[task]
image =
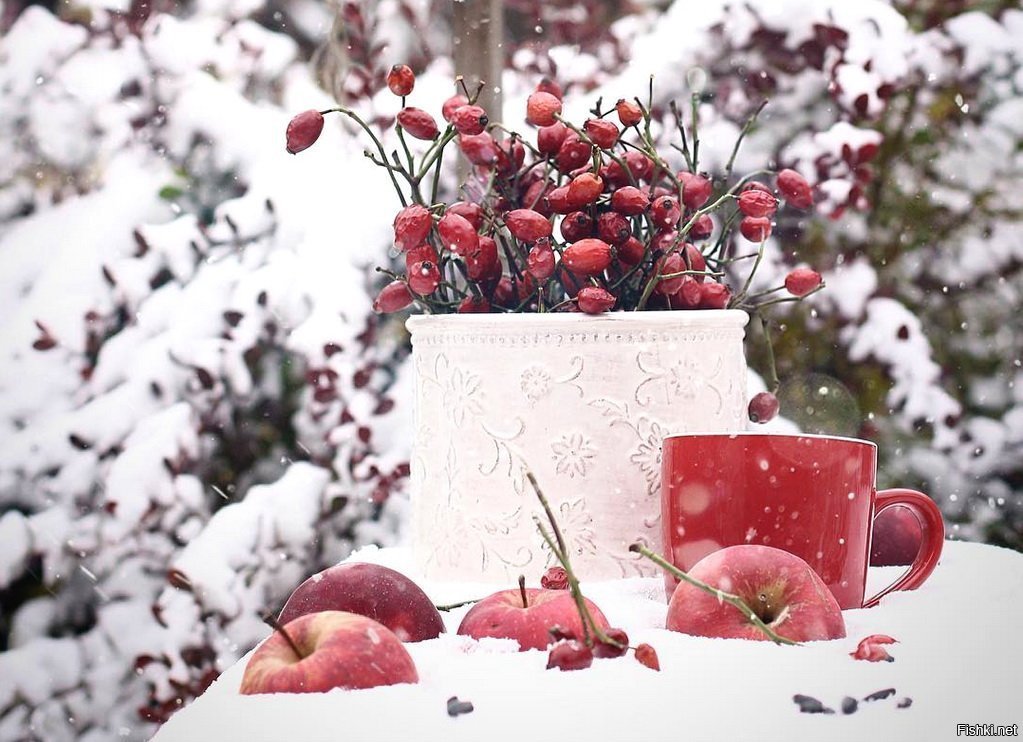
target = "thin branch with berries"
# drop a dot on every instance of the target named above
(556, 543)
(582, 218)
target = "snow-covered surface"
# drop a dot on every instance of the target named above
(957, 659)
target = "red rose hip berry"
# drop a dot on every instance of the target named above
(629, 201)
(613, 228)
(696, 189)
(795, 189)
(647, 656)
(479, 149)
(569, 655)
(584, 189)
(547, 85)
(469, 120)
(418, 123)
(641, 166)
(424, 277)
(631, 252)
(615, 648)
(664, 241)
(557, 200)
(629, 113)
(576, 226)
(714, 295)
(665, 212)
(555, 578)
(572, 154)
(540, 263)
(483, 264)
(542, 108)
(527, 225)
(702, 228)
(670, 265)
(587, 257)
(757, 203)
(536, 197)
(595, 300)
(763, 407)
(802, 281)
(871, 649)
(755, 228)
(689, 294)
(474, 305)
(303, 131)
(419, 253)
(694, 259)
(473, 213)
(601, 132)
(412, 227)
(550, 138)
(457, 234)
(452, 104)
(393, 297)
(401, 79)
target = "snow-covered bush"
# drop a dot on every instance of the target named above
(908, 121)
(197, 408)
(196, 404)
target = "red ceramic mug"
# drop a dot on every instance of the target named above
(812, 495)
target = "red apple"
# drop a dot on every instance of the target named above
(331, 649)
(779, 587)
(896, 539)
(369, 590)
(502, 615)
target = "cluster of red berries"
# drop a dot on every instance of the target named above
(570, 653)
(582, 218)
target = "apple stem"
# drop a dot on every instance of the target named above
(522, 591)
(733, 600)
(277, 626)
(561, 554)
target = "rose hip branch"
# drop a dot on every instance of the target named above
(576, 218)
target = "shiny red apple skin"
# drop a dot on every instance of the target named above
(797, 601)
(380, 593)
(896, 538)
(341, 650)
(502, 615)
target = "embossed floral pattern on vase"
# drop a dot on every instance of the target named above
(584, 403)
(647, 455)
(535, 383)
(576, 525)
(573, 454)
(461, 395)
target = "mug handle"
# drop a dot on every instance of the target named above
(932, 537)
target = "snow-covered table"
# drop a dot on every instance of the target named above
(958, 658)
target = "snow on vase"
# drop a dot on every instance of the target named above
(584, 402)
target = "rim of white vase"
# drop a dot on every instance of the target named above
(676, 318)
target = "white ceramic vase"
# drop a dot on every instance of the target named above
(584, 402)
